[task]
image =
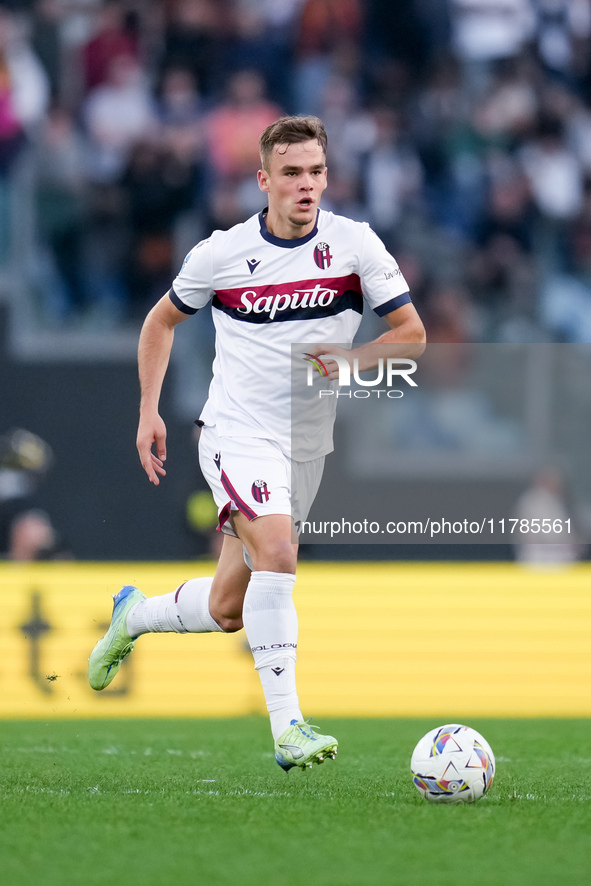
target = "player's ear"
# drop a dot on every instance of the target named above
(263, 180)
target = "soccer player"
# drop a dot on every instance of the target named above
(294, 273)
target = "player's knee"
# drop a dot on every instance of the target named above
(229, 624)
(275, 556)
(227, 615)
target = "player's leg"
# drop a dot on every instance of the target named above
(229, 586)
(199, 605)
(271, 625)
(269, 614)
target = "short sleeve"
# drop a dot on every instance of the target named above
(192, 288)
(384, 288)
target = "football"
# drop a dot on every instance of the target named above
(452, 764)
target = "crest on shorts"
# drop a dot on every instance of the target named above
(260, 491)
(322, 256)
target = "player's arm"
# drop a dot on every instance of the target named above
(154, 349)
(405, 338)
(386, 291)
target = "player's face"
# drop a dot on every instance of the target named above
(294, 182)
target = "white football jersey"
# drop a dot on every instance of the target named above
(267, 294)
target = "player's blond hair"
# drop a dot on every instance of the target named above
(290, 131)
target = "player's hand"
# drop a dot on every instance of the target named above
(329, 368)
(152, 430)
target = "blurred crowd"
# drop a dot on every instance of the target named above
(460, 129)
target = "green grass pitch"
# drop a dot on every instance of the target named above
(159, 802)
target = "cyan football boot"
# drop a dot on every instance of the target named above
(106, 657)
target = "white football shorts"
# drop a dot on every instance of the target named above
(252, 475)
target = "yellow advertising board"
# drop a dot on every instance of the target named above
(381, 639)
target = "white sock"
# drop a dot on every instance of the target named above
(271, 625)
(185, 610)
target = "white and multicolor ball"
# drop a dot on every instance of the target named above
(453, 764)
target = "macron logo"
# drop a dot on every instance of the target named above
(252, 264)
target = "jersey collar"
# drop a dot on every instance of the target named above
(279, 241)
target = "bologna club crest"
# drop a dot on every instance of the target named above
(260, 491)
(322, 256)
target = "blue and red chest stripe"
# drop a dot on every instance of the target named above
(300, 300)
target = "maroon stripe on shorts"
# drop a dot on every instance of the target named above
(224, 515)
(240, 503)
